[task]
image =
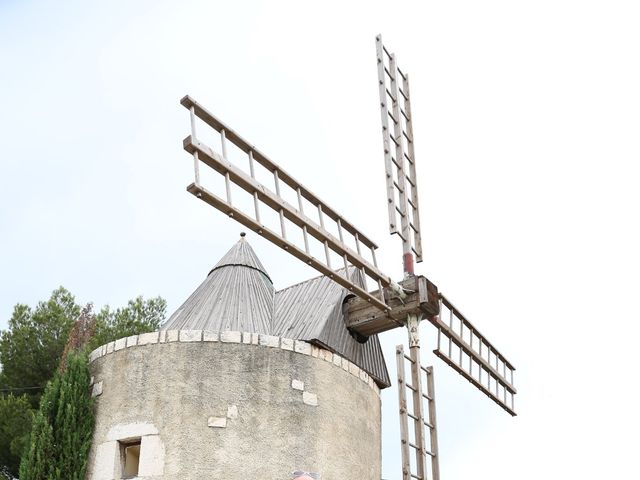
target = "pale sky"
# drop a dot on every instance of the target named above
(526, 119)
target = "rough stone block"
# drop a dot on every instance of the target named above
(132, 341)
(232, 411)
(120, 344)
(97, 389)
(345, 364)
(297, 384)
(255, 338)
(315, 351)
(337, 360)
(231, 337)
(354, 370)
(96, 354)
(286, 344)
(217, 422)
(163, 336)
(129, 430)
(151, 457)
(110, 347)
(107, 456)
(326, 355)
(310, 399)
(370, 382)
(190, 335)
(246, 337)
(269, 341)
(302, 347)
(148, 338)
(91, 380)
(172, 335)
(208, 336)
(363, 375)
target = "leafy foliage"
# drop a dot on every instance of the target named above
(15, 424)
(30, 349)
(63, 426)
(139, 316)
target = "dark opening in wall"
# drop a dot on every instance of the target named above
(130, 457)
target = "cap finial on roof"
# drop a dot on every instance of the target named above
(236, 295)
(241, 255)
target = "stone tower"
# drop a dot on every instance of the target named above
(242, 381)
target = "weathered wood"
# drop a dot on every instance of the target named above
(432, 424)
(278, 204)
(263, 160)
(422, 300)
(404, 421)
(276, 239)
(509, 409)
(418, 424)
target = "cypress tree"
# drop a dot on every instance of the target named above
(63, 427)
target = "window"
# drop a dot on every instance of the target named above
(130, 458)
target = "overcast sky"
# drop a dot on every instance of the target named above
(526, 119)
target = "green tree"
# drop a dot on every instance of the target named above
(30, 349)
(32, 346)
(139, 316)
(63, 426)
(15, 424)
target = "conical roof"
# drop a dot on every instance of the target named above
(241, 255)
(237, 295)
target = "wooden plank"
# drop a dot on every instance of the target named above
(269, 198)
(384, 115)
(416, 382)
(276, 239)
(433, 425)
(404, 421)
(367, 320)
(263, 160)
(413, 176)
(400, 161)
(475, 382)
(461, 317)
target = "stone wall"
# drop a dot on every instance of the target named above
(232, 406)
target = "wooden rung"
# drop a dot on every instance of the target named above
(413, 475)
(413, 416)
(393, 99)
(400, 212)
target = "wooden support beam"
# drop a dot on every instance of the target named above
(422, 300)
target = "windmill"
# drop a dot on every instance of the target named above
(310, 230)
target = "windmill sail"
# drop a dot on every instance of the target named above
(420, 457)
(399, 155)
(468, 352)
(338, 256)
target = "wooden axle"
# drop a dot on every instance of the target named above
(365, 319)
